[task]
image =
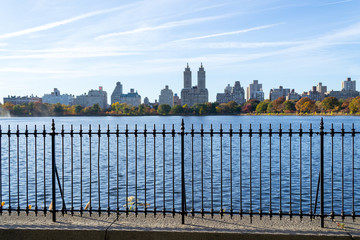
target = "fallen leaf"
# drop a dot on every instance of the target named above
(87, 206)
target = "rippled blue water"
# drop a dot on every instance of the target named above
(224, 172)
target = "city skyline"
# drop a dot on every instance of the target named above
(254, 91)
(145, 45)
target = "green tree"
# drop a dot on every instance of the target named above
(19, 110)
(164, 109)
(96, 108)
(270, 108)
(177, 109)
(58, 109)
(289, 106)
(78, 109)
(329, 104)
(262, 106)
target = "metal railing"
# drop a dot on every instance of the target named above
(199, 171)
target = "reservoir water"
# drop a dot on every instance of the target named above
(221, 172)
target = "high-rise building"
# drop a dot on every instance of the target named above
(254, 91)
(321, 89)
(275, 93)
(197, 94)
(166, 96)
(176, 100)
(187, 77)
(93, 97)
(235, 93)
(348, 85)
(348, 90)
(55, 97)
(131, 98)
(116, 94)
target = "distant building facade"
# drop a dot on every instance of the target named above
(348, 85)
(55, 97)
(235, 93)
(342, 94)
(293, 95)
(17, 100)
(146, 101)
(131, 98)
(198, 94)
(166, 96)
(275, 93)
(317, 93)
(348, 90)
(93, 97)
(176, 100)
(254, 91)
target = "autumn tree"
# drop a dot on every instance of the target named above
(354, 105)
(305, 105)
(262, 106)
(329, 104)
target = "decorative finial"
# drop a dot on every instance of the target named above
(187, 65)
(201, 65)
(322, 124)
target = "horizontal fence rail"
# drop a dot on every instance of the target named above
(257, 170)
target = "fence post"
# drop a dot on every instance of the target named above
(53, 170)
(322, 171)
(182, 172)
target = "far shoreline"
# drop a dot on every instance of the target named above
(197, 115)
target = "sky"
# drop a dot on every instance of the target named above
(80, 45)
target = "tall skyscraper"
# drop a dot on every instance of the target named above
(201, 77)
(348, 85)
(187, 77)
(254, 91)
(197, 94)
(166, 96)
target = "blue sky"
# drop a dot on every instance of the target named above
(79, 45)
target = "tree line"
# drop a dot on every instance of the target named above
(330, 105)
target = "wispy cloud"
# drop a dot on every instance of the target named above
(247, 45)
(337, 2)
(339, 37)
(63, 22)
(163, 26)
(35, 70)
(71, 53)
(3, 44)
(231, 33)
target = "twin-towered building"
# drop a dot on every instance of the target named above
(191, 95)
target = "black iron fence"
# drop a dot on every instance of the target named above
(273, 171)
